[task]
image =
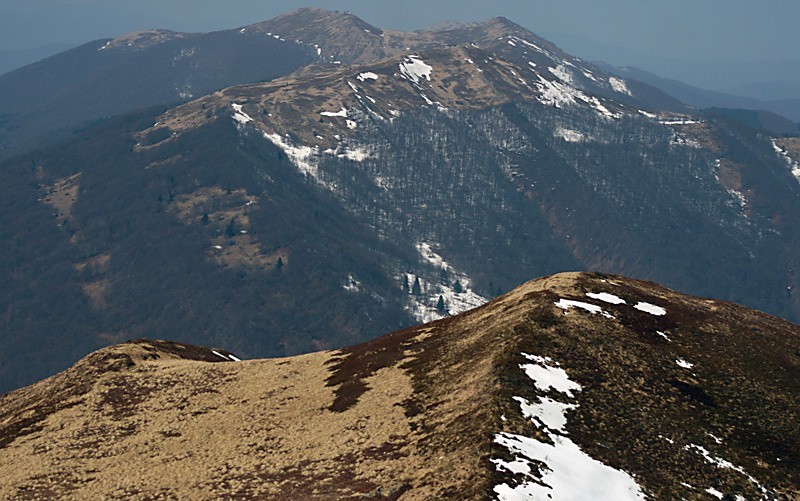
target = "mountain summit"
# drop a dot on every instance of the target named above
(573, 386)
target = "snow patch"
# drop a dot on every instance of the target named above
(354, 154)
(559, 469)
(367, 75)
(239, 115)
(619, 85)
(570, 136)
(559, 95)
(351, 284)
(550, 413)
(546, 375)
(684, 364)
(340, 113)
(301, 156)
(414, 68)
(562, 73)
(651, 309)
(569, 473)
(664, 336)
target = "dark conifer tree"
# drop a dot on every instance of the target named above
(416, 289)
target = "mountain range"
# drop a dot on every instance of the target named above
(573, 386)
(787, 110)
(329, 181)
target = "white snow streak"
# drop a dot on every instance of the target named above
(794, 166)
(650, 308)
(340, 113)
(723, 463)
(566, 304)
(226, 357)
(606, 297)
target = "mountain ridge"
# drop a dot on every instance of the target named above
(567, 364)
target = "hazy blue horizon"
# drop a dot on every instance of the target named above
(652, 34)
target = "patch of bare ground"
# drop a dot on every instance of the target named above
(225, 216)
(97, 291)
(61, 196)
(700, 133)
(729, 174)
(95, 264)
(791, 145)
(166, 161)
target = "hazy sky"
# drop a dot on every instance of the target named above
(684, 29)
(664, 36)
